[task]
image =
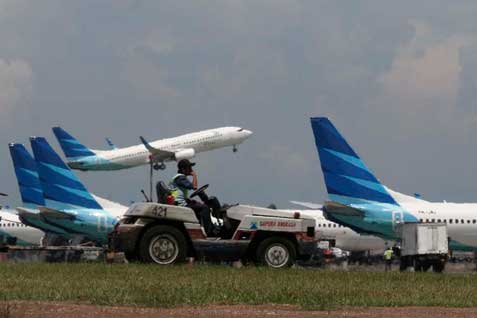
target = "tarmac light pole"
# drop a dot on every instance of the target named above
(151, 175)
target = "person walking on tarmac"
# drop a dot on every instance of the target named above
(180, 187)
(388, 257)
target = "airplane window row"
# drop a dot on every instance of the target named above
(450, 221)
(329, 225)
(197, 140)
(12, 225)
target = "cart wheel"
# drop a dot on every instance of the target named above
(418, 267)
(164, 245)
(276, 252)
(438, 267)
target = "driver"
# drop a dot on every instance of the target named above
(180, 186)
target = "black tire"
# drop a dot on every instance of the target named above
(164, 245)
(276, 252)
(438, 267)
(418, 265)
(403, 264)
(426, 266)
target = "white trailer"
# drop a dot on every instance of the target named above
(424, 245)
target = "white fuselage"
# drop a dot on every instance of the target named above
(11, 226)
(344, 237)
(183, 147)
(461, 218)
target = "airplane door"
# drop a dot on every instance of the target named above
(102, 224)
(398, 218)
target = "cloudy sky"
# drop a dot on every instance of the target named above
(399, 79)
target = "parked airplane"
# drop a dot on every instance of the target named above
(68, 204)
(31, 194)
(360, 201)
(183, 147)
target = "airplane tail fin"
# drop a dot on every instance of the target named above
(27, 176)
(70, 145)
(60, 185)
(348, 179)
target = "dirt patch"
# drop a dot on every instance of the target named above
(17, 309)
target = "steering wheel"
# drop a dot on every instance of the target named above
(199, 191)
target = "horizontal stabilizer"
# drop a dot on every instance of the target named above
(337, 208)
(308, 205)
(52, 213)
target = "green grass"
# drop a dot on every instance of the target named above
(154, 286)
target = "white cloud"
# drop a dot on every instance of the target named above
(424, 78)
(16, 84)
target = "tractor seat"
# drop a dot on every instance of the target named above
(162, 191)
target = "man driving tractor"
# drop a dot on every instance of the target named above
(180, 187)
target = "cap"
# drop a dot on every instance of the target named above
(185, 163)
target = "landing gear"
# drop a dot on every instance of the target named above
(235, 149)
(159, 166)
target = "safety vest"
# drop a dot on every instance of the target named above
(180, 194)
(388, 254)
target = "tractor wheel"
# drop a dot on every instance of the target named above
(276, 252)
(164, 245)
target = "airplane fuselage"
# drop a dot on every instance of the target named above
(12, 227)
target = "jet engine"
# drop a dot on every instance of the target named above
(185, 154)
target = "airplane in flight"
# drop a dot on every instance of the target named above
(67, 205)
(359, 200)
(158, 152)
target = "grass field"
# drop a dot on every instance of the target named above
(154, 286)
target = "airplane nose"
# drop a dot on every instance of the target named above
(248, 133)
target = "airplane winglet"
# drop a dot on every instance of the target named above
(110, 143)
(157, 153)
(147, 145)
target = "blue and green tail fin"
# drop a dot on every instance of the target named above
(348, 179)
(70, 145)
(61, 187)
(26, 172)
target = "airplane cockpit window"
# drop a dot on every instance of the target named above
(241, 129)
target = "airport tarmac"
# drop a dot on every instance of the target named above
(69, 310)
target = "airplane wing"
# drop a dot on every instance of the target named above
(158, 154)
(3, 194)
(337, 208)
(52, 213)
(308, 205)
